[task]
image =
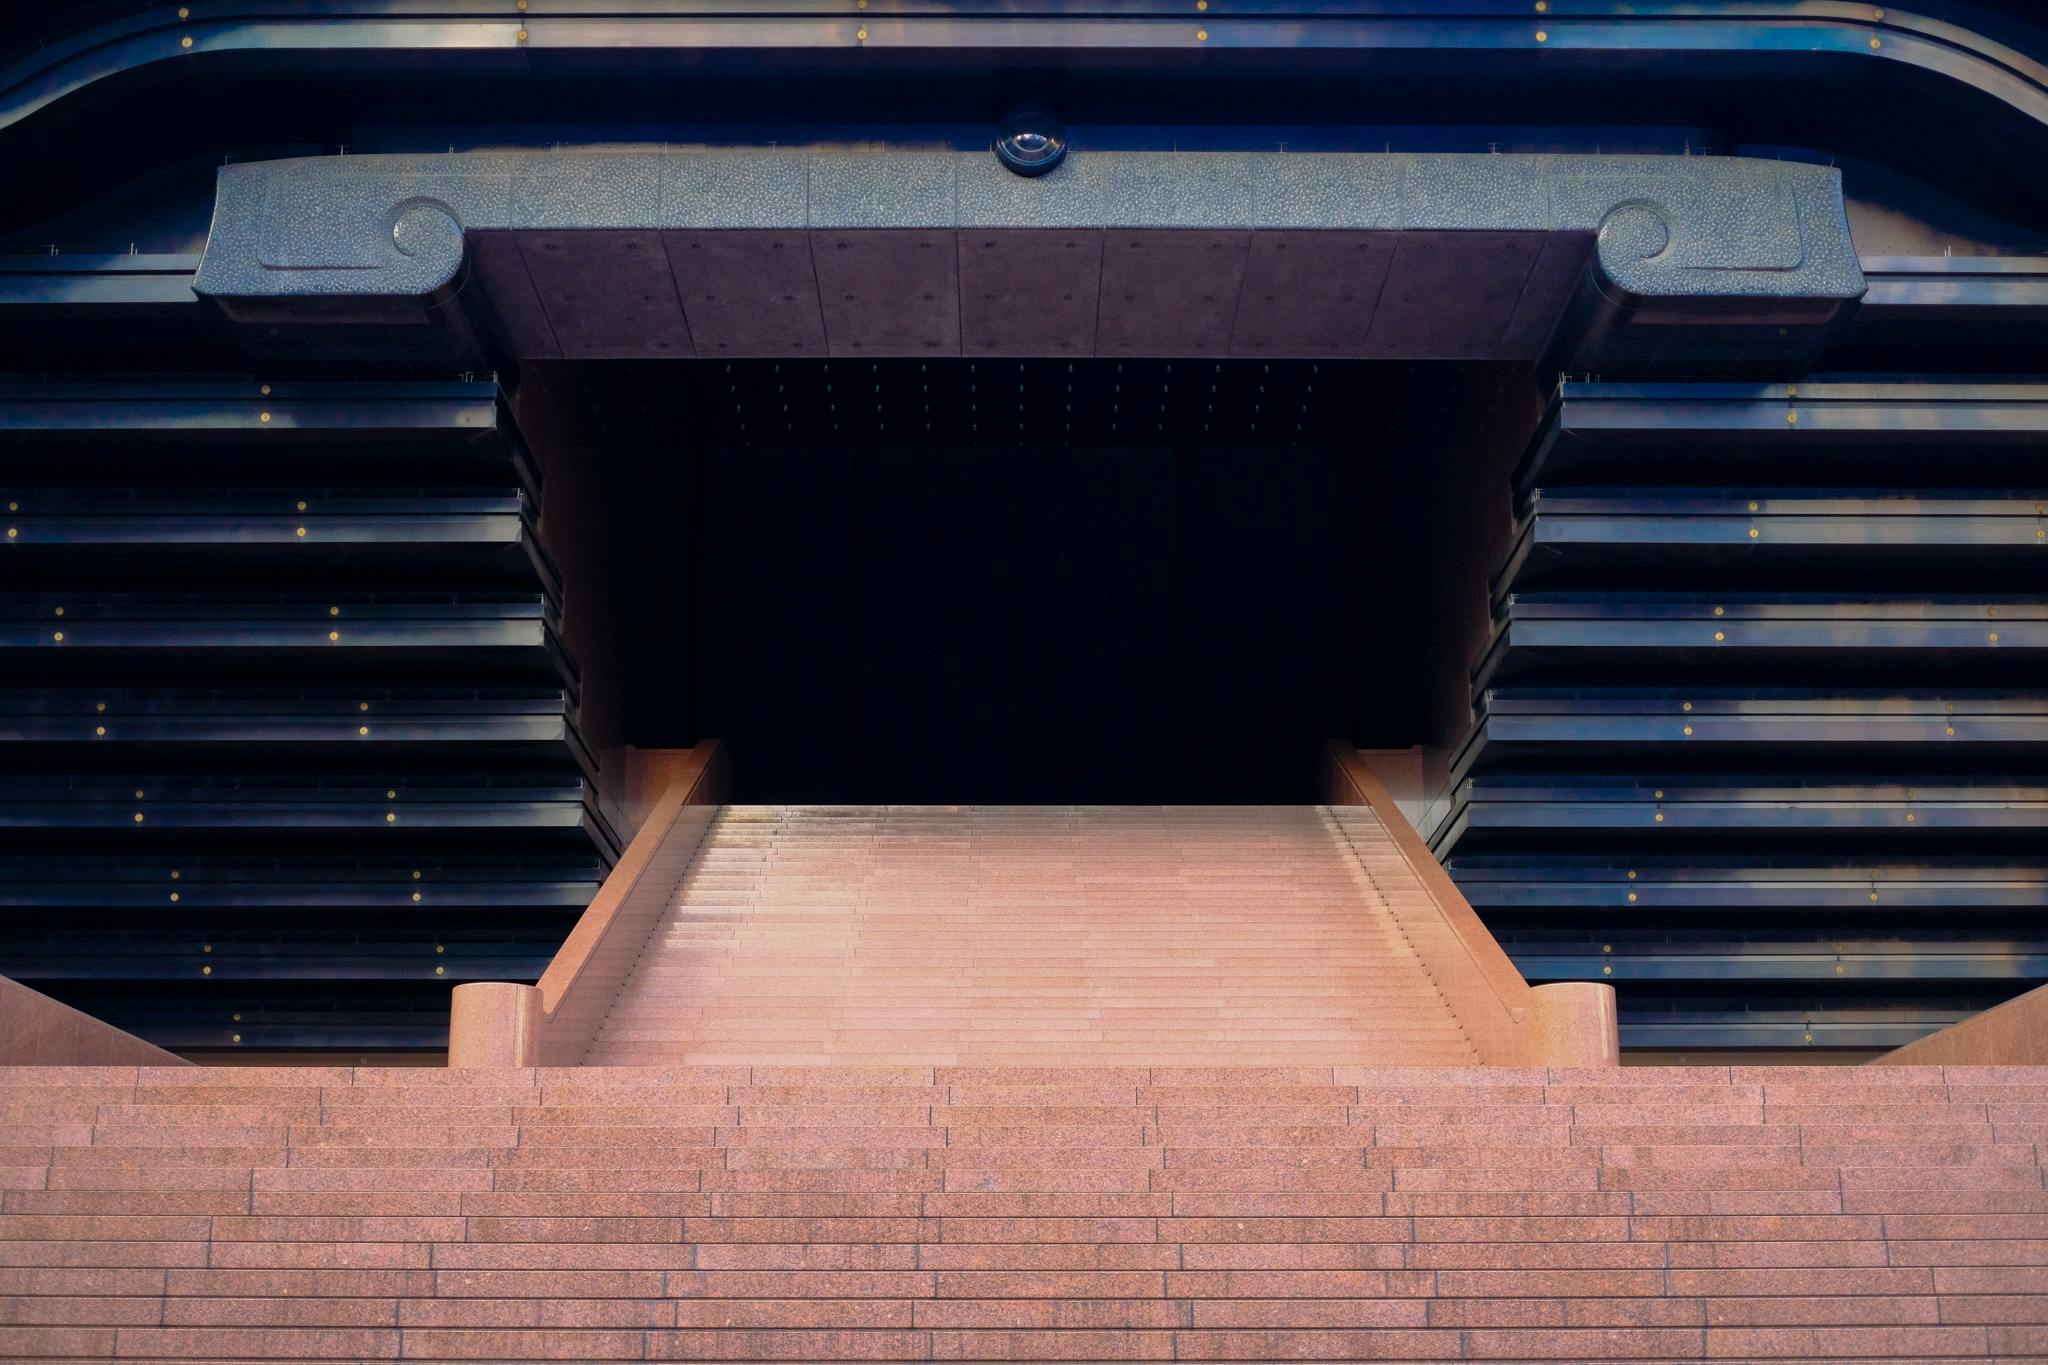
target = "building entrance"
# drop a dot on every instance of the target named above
(1036, 582)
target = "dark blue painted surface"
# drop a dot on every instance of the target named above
(1795, 797)
(289, 744)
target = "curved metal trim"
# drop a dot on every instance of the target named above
(1821, 27)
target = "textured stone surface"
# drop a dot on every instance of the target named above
(1674, 228)
(751, 1212)
(1058, 934)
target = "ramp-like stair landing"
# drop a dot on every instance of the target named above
(1039, 935)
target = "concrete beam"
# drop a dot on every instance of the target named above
(724, 254)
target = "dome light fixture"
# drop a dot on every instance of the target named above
(1031, 142)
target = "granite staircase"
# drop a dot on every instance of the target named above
(772, 1212)
(1037, 935)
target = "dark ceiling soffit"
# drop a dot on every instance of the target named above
(450, 29)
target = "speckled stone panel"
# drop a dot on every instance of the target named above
(1667, 226)
(1310, 293)
(748, 293)
(1466, 255)
(735, 190)
(1068, 195)
(1029, 293)
(882, 190)
(585, 190)
(889, 293)
(1338, 190)
(1170, 293)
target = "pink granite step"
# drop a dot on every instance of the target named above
(1075, 935)
(1034, 1212)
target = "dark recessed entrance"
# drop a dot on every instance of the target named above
(1036, 581)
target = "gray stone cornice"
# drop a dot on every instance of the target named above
(393, 226)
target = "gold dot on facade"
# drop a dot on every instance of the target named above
(1720, 635)
(264, 390)
(138, 817)
(522, 35)
(1607, 969)
(1720, 611)
(1201, 35)
(391, 795)
(185, 41)
(1793, 418)
(101, 731)
(60, 635)
(439, 971)
(60, 611)
(1993, 637)
(1875, 44)
(416, 897)
(301, 532)
(1631, 895)
(1752, 533)
(206, 971)
(174, 895)
(302, 505)
(390, 817)
(362, 729)
(334, 611)
(1659, 819)
(263, 416)
(861, 34)
(238, 1037)
(1541, 36)
(1688, 729)
(334, 635)
(101, 706)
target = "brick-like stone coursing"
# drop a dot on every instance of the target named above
(1198, 1213)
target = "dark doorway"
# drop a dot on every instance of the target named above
(1033, 582)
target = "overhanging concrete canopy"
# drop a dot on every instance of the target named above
(719, 254)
